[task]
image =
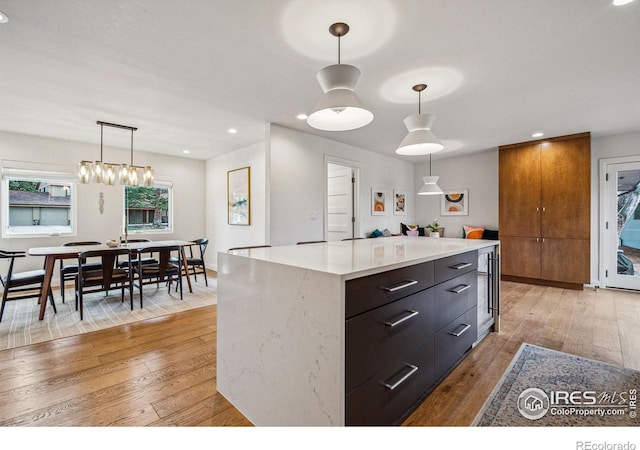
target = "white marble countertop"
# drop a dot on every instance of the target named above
(352, 259)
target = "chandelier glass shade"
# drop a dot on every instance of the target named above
(110, 173)
(340, 108)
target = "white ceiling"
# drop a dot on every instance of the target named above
(185, 71)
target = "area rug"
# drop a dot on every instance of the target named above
(544, 387)
(20, 325)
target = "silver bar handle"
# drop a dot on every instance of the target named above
(403, 319)
(456, 333)
(412, 369)
(398, 287)
(460, 266)
(461, 288)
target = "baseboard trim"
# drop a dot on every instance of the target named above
(536, 281)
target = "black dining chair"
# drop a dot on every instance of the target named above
(134, 262)
(107, 277)
(26, 284)
(68, 272)
(195, 260)
(164, 271)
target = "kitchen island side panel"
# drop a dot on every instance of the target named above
(280, 342)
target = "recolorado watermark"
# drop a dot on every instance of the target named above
(588, 445)
(534, 403)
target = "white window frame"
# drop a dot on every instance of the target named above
(166, 184)
(31, 171)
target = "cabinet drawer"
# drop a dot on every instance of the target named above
(454, 297)
(454, 340)
(376, 338)
(453, 266)
(391, 394)
(366, 293)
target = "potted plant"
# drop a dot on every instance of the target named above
(434, 229)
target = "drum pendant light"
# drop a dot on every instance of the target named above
(430, 186)
(420, 140)
(339, 109)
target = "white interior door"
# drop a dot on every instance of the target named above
(340, 203)
(622, 225)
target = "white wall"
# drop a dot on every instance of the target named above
(188, 195)
(476, 172)
(297, 180)
(223, 236)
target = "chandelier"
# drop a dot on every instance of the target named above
(108, 173)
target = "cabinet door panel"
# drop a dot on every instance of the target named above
(565, 260)
(519, 192)
(566, 188)
(520, 257)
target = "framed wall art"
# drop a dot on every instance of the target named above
(455, 203)
(238, 196)
(399, 203)
(378, 202)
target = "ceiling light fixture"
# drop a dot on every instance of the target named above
(302, 117)
(101, 172)
(339, 109)
(537, 134)
(3, 17)
(621, 2)
(232, 130)
(420, 140)
(430, 186)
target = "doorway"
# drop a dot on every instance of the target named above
(620, 223)
(341, 212)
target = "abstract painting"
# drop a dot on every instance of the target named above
(455, 203)
(238, 196)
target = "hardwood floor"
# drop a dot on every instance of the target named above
(162, 371)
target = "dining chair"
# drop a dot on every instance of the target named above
(26, 284)
(68, 272)
(107, 277)
(195, 262)
(164, 271)
(134, 262)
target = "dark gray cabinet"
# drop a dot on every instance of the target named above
(405, 330)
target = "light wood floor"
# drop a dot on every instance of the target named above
(163, 371)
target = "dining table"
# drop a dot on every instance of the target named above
(53, 254)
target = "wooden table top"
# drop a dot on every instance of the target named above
(73, 250)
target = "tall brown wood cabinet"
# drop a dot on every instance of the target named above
(544, 211)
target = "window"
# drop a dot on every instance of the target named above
(37, 203)
(148, 209)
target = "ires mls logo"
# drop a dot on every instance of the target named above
(533, 403)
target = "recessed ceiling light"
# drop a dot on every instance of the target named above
(186, 152)
(301, 117)
(621, 2)
(232, 130)
(537, 134)
(3, 17)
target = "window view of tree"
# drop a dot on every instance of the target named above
(147, 208)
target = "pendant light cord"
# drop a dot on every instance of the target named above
(429, 164)
(338, 49)
(101, 132)
(132, 146)
(420, 102)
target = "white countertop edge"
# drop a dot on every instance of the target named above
(355, 259)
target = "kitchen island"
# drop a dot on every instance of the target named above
(348, 333)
